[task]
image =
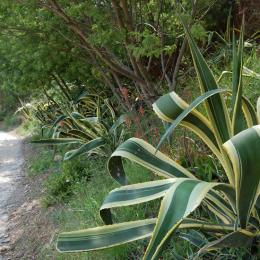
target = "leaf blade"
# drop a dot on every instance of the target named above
(144, 154)
(190, 193)
(91, 145)
(104, 237)
(244, 152)
(187, 111)
(215, 106)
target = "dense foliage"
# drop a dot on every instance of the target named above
(229, 198)
(96, 47)
(87, 75)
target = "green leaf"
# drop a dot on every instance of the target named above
(77, 115)
(240, 238)
(106, 236)
(170, 106)
(142, 153)
(89, 127)
(194, 237)
(237, 116)
(181, 199)
(222, 157)
(258, 110)
(187, 111)
(79, 134)
(244, 152)
(112, 111)
(90, 146)
(57, 141)
(223, 208)
(117, 123)
(249, 112)
(92, 119)
(134, 194)
(215, 105)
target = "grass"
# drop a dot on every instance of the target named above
(77, 189)
(81, 211)
(41, 162)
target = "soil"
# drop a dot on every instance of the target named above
(23, 221)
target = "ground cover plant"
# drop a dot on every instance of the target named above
(232, 136)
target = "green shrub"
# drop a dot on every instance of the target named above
(60, 185)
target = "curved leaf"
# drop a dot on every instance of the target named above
(142, 153)
(182, 198)
(93, 144)
(249, 112)
(244, 152)
(117, 123)
(223, 158)
(106, 236)
(134, 194)
(240, 238)
(170, 106)
(187, 111)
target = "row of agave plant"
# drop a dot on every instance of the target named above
(232, 135)
(91, 126)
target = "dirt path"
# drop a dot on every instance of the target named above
(11, 161)
(26, 231)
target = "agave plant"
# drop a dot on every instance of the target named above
(233, 136)
(99, 134)
(44, 112)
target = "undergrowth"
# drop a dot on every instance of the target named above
(77, 188)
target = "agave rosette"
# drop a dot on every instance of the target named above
(91, 134)
(233, 137)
